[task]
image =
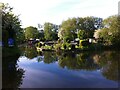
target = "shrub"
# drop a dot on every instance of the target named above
(38, 44)
(57, 47)
(66, 46)
(84, 43)
(47, 47)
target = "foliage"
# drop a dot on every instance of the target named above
(84, 44)
(109, 61)
(49, 57)
(31, 32)
(20, 38)
(82, 34)
(5, 36)
(84, 27)
(10, 51)
(89, 25)
(39, 44)
(10, 23)
(50, 32)
(47, 47)
(41, 36)
(30, 52)
(74, 61)
(66, 46)
(57, 47)
(68, 29)
(110, 34)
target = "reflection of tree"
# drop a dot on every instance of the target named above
(77, 61)
(49, 57)
(108, 60)
(12, 76)
(30, 52)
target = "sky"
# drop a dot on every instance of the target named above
(34, 12)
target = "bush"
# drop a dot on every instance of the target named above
(39, 44)
(84, 43)
(66, 46)
(57, 47)
(47, 47)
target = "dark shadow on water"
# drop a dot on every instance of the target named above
(12, 74)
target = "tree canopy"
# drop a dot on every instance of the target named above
(110, 33)
(11, 24)
(31, 32)
(73, 26)
(50, 31)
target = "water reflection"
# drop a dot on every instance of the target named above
(12, 74)
(77, 61)
(49, 57)
(106, 61)
(30, 52)
(61, 69)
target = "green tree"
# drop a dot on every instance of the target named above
(89, 25)
(110, 33)
(82, 34)
(41, 36)
(31, 32)
(50, 32)
(73, 26)
(10, 23)
(68, 29)
(20, 38)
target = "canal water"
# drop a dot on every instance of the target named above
(33, 69)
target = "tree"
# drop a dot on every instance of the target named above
(89, 25)
(50, 31)
(110, 33)
(31, 32)
(41, 36)
(82, 34)
(20, 38)
(10, 23)
(68, 29)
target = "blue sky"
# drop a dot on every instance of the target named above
(33, 12)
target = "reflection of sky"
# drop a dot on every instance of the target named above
(39, 74)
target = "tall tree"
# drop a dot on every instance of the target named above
(31, 32)
(50, 31)
(110, 33)
(68, 29)
(10, 23)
